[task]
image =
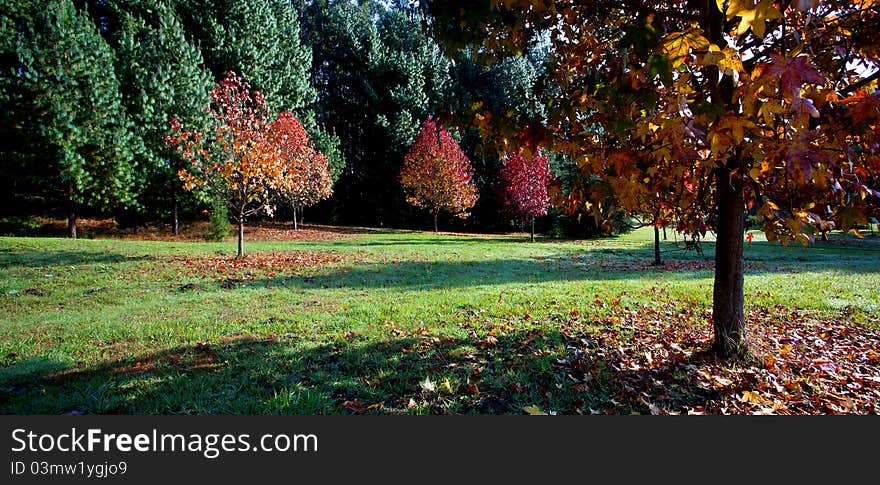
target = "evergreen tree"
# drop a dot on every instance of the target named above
(163, 77)
(260, 40)
(80, 117)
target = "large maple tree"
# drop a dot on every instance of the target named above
(709, 107)
(436, 174)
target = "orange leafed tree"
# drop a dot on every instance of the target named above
(235, 160)
(306, 179)
(704, 109)
(436, 175)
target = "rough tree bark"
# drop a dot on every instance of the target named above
(728, 315)
(436, 213)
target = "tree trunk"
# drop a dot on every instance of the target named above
(533, 229)
(657, 260)
(664, 233)
(175, 219)
(295, 227)
(302, 215)
(71, 222)
(241, 235)
(727, 299)
(436, 213)
(71, 213)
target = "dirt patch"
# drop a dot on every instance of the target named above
(35, 292)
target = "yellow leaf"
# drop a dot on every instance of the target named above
(534, 411)
(751, 397)
(756, 18)
(446, 386)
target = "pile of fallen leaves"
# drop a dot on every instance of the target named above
(263, 264)
(800, 363)
(273, 231)
(194, 231)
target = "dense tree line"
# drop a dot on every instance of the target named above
(88, 89)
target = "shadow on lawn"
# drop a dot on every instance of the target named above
(555, 371)
(36, 258)
(603, 265)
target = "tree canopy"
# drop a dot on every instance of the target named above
(711, 107)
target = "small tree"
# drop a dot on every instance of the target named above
(436, 174)
(236, 162)
(525, 180)
(306, 178)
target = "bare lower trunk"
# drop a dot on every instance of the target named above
(533, 229)
(436, 213)
(657, 260)
(664, 233)
(71, 214)
(295, 225)
(175, 220)
(727, 300)
(241, 236)
(71, 222)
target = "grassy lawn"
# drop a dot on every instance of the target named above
(407, 322)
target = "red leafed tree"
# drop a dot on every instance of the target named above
(306, 179)
(436, 174)
(525, 180)
(236, 162)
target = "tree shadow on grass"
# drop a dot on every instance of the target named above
(41, 258)
(616, 265)
(416, 373)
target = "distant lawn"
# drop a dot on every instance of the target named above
(408, 322)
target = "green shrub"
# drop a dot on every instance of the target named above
(218, 218)
(19, 226)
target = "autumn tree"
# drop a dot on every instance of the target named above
(742, 103)
(525, 182)
(234, 160)
(306, 179)
(436, 175)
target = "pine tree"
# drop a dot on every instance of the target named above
(164, 77)
(68, 67)
(259, 39)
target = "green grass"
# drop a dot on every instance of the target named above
(403, 322)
